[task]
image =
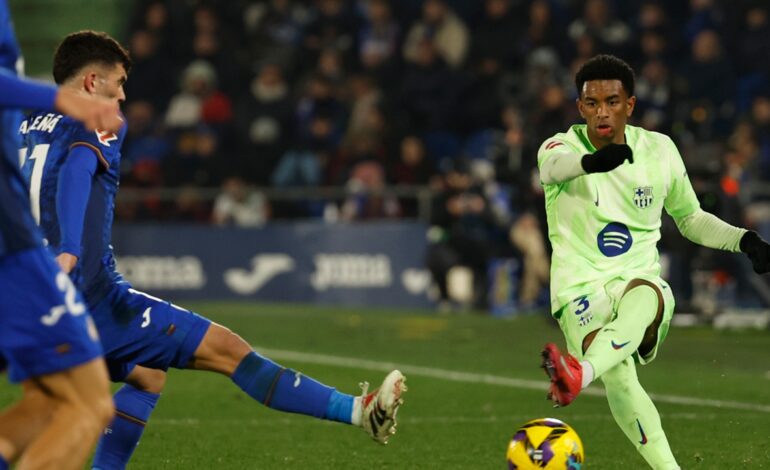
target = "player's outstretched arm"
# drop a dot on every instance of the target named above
(607, 158)
(758, 251)
(95, 112)
(559, 166)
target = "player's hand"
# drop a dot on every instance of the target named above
(757, 250)
(607, 158)
(95, 112)
(67, 262)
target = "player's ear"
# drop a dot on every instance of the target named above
(579, 105)
(89, 82)
(630, 104)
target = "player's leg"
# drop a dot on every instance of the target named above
(134, 403)
(637, 416)
(51, 346)
(639, 315)
(82, 406)
(284, 389)
(22, 421)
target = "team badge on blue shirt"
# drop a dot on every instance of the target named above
(643, 197)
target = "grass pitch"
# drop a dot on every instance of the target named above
(472, 381)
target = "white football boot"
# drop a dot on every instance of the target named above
(379, 408)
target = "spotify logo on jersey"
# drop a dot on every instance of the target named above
(614, 239)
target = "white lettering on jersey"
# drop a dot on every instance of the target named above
(71, 304)
(146, 316)
(41, 123)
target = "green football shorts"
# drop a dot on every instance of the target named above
(599, 305)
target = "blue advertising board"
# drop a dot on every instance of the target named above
(373, 264)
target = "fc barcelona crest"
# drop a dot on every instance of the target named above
(643, 197)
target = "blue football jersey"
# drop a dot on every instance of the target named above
(17, 229)
(47, 140)
(10, 54)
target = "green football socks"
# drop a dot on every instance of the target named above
(637, 416)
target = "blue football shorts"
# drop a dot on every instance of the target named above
(139, 329)
(44, 324)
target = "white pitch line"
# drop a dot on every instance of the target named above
(471, 377)
(428, 420)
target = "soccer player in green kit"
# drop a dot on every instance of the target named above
(606, 184)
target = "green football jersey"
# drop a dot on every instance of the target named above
(604, 225)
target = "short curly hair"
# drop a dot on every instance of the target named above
(86, 47)
(605, 67)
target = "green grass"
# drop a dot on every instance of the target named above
(203, 421)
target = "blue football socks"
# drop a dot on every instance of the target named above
(286, 390)
(3, 463)
(132, 410)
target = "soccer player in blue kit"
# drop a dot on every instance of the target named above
(47, 339)
(73, 176)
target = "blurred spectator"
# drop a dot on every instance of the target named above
(332, 26)
(526, 235)
(704, 15)
(360, 147)
(543, 30)
(461, 227)
(443, 28)
(189, 206)
(428, 89)
(553, 112)
(145, 176)
(495, 44)
(365, 97)
(199, 100)
(413, 166)
(705, 86)
(151, 73)
(209, 46)
(378, 39)
(365, 198)
(197, 158)
(653, 95)
(599, 21)
(760, 121)
(145, 139)
(274, 28)
(240, 205)
(263, 124)
(319, 106)
(750, 50)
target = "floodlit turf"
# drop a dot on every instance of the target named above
(203, 421)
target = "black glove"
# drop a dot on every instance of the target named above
(757, 250)
(607, 158)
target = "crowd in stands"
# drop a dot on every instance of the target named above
(456, 95)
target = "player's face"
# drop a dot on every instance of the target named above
(606, 107)
(109, 82)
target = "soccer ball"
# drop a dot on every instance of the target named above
(545, 443)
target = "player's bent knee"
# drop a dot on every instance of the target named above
(147, 380)
(227, 343)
